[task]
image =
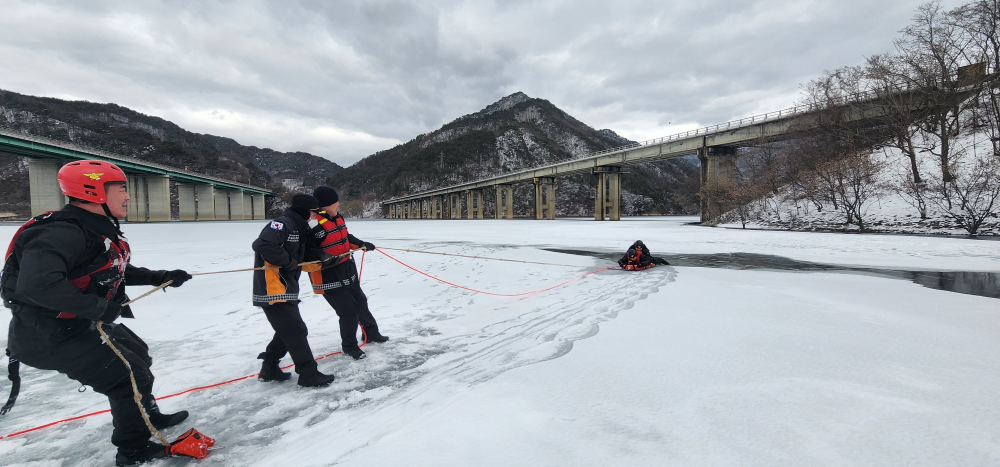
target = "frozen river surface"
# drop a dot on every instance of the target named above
(677, 365)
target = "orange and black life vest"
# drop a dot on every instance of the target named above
(102, 276)
(333, 240)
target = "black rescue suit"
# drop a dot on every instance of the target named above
(282, 243)
(638, 258)
(339, 283)
(61, 272)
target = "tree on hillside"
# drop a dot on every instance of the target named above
(972, 196)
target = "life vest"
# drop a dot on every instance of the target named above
(633, 263)
(333, 240)
(102, 276)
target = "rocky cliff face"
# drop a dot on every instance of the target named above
(515, 133)
(116, 129)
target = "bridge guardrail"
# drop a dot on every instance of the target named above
(733, 124)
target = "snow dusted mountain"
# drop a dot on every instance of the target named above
(120, 130)
(514, 133)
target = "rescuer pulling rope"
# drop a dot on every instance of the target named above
(283, 243)
(338, 280)
(64, 271)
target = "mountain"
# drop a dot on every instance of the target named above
(514, 133)
(120, 130)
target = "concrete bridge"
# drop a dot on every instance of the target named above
(200, 197)
(716, 147)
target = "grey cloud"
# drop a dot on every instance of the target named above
(393, 69)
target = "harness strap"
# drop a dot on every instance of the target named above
(13, 373)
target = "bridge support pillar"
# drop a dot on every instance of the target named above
(235, 205)
(455, 206)
(505, 202)
(258, 211)
(717, 163)
(247, 206)
(138, 208)
(205, 196)
(158, 197)
(221, 205)
(608, 198)
(545, 198)
(186, 204)
(44, 186)
(427, 209)
(474, 204)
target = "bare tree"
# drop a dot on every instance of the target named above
(980, 21)
(975, 189)
(887, 76)
(931, 49)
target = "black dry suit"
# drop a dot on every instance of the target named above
(638, 258)
(64, 270)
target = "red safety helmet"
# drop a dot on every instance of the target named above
(85, 179)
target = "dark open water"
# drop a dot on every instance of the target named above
(984, 284)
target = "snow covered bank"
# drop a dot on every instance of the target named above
(674, 366)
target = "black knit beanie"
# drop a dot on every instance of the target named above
(325, 195)
(303, 203)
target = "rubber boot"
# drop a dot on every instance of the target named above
(376, 338)
(315, 379)
(162, 420)
(147, 453)
(356, 354)
(270, 371)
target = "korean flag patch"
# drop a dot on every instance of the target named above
(277, 225)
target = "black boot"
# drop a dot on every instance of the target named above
(144, 454)
(162, 420)
(270, 371)
(376, 338)
(315, 379)
(356, 354)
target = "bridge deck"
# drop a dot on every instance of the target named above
(40, 147)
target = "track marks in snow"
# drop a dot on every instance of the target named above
(444, 340)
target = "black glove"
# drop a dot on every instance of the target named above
(111, 312)
(178, 276)
(327, 258)
(369, 246)
(292, 266)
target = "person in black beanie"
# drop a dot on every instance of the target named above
(338, 280)
(279, 249)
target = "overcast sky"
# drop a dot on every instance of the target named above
(344, 79)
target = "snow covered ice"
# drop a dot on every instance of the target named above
(670, 366)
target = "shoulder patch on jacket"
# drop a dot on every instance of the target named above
(277, 225)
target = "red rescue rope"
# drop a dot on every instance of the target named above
(199, 388)
(491, 293)
(365, 341)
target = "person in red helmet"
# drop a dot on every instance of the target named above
(64, 272)
(638, 258)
